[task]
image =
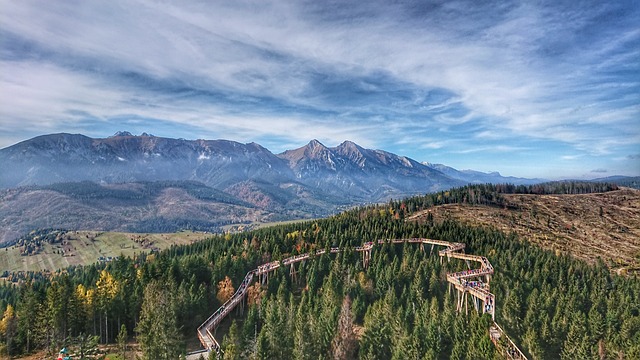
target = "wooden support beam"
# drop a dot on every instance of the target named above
(465, 283)
(292, 272)
(466, 304)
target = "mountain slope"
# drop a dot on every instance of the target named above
(136, 207)
(587, 226)
(65, 157)
(478, 177)
(131, 173)
(347, 171)
(362, 173)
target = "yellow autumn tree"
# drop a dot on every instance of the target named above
(107, 286)
(8, 327)
(225, 290)
(86, 297)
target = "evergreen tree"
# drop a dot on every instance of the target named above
(376, 341)
(86, 346)
(232, 343)
(574, 346)
(157, 330)
(303, 348)
(122, 341)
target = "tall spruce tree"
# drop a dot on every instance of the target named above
(158, 333)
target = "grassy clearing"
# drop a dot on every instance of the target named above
(87, 247)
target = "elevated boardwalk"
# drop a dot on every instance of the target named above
(466, 283)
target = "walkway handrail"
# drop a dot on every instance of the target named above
(517, 353)
(478, 289)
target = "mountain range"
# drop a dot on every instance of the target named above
(311, 181)
(345, 170)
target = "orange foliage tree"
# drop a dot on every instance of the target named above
(225, 290)
(254, 294)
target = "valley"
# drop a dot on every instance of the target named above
(133, 207)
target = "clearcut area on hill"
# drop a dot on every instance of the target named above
(587, 226)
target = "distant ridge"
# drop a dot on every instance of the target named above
(477, 177)
(628, 181)
(347, 171)
(55, 175)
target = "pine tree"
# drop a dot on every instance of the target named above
(157, 330)
(122, 341)
(573, 347)
(232, 343)
(533, 343)
(376, 341)
(86, 345)
(263, 351)
(303, 348)
(27, 312)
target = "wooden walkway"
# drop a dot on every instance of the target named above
(472, 282)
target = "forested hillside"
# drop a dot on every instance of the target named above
(398, 307)
(163, 206)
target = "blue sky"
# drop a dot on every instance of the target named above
(535, 89)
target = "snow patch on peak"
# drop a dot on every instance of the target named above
(406, 161)
(329, 159)
(122, 133)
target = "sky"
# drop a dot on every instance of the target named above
(546, 89)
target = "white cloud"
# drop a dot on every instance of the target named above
(291, 70)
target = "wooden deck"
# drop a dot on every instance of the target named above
(472, 282)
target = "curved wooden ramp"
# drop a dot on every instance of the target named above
(467, 283)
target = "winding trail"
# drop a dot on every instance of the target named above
(467, 282)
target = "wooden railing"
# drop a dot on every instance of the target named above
(458, 280)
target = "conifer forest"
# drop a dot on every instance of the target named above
(333, 307)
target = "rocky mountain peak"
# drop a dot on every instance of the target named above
(314, 146)
(314, 143)
(346, 171)
(349, 148)
(121, 133)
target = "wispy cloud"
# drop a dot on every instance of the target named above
(426, 80)
(491, 149)
(570, 157)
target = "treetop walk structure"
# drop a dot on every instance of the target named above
(467, 282)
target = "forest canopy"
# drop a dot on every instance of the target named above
(398, 306)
